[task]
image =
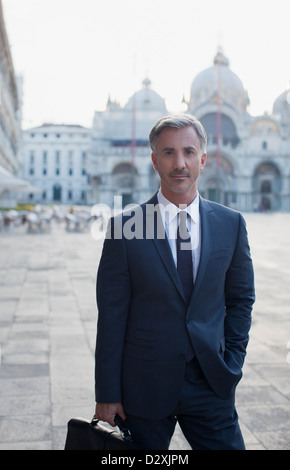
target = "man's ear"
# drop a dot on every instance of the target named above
(202, 162)
(154, 161)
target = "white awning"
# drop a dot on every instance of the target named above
(30, 189)
(10, 182)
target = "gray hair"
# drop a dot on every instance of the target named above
(178, 121)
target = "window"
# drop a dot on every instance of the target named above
(266, 186)
(229, 131)
(44, 157)
(69, 194)
(44, 171)
(84, 161)
(70, 162)
(31, 162)
(57, 162)
(31, 157)
(264, 145)
(56, 192)
(57, 157)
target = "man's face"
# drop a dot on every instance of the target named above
(179, 161)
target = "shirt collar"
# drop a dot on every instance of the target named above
(169, 211)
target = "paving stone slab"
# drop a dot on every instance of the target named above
(25, 428)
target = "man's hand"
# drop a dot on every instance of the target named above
(107, 412)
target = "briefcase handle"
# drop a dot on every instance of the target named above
(126, 434)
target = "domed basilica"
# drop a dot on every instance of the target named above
(248, 158)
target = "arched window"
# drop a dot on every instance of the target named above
(229, 133)
(125, 176)
(267, 185)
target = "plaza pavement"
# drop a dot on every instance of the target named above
(47, 337)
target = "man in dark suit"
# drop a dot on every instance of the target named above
(175, 291)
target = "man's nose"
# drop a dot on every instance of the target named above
(179, 161)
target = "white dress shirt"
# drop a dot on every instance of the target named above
(169, 213)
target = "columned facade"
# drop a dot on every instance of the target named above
(248, 163)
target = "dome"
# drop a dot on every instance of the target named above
(282, 104)
(146, 99)
(218, 79)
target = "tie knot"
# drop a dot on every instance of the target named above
(182, 225)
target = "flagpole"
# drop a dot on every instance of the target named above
(218, 151)
(133, 137)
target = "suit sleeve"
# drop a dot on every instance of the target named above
(113, 300)
(239, 296)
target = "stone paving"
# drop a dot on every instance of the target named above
(48, 325)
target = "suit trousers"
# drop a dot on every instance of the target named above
(207, 421)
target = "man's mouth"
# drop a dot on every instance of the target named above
(179, 175)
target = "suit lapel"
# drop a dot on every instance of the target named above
(155, 230)
(207, 231)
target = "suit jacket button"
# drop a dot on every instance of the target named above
(181, 357)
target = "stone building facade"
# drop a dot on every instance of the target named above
(55, 160)
(248, 165)
(10, 121)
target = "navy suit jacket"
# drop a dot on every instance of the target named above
(144, 324)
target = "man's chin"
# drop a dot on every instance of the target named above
(180, 188)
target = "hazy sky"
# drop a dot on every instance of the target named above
(74, 53)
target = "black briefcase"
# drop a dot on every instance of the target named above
(83, 434)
